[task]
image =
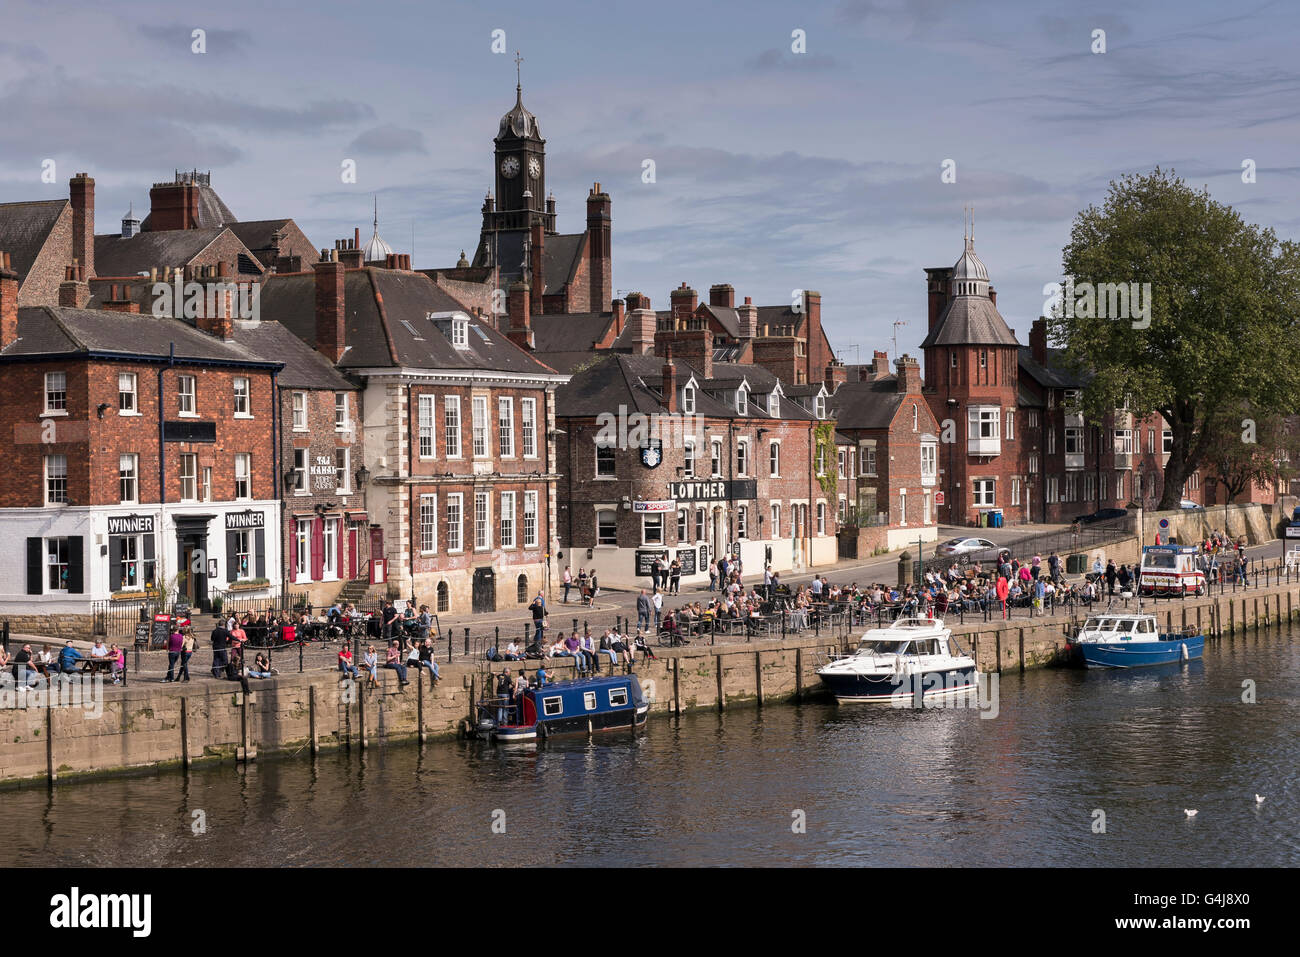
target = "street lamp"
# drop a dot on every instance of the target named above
(363, 477)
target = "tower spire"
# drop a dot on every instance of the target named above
(519, 89)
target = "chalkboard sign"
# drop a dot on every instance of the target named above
(162, 629)
(644, 559)
(142, 634)
(687, 558)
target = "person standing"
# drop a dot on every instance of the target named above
(390, 619)
(643, 610)
(713, 576)
(1054, 566)
(674, 577)
(187, 652)
(1003, 589)
(657, 599)
(767, 582)
(220, 639)
(568, 583)
(175, 642)
(1111, 576)
(654, 573)
(538, 608)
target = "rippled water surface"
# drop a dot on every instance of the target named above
(875, 785)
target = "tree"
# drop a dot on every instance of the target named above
(1212, 305)
(1249, 451)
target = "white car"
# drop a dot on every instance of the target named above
(1191, 506)
(963, 546)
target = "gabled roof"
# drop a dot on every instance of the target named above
(1053, 374)
(866, 405)
(60, 330)
(24, 228)
(386, 323)
(727, 318)
(304, 367)
(561, 256)
(970, 320)
(118, 256)
(565, 332)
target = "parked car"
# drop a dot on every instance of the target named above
(964, 546)
(1191, 506)
(1102, 515)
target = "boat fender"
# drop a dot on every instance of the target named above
(541, 730)
(1183, 650)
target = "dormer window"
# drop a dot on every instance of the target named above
(742, 401)
(819, 406)
(688, 400)
(460, 332)
(774, 405)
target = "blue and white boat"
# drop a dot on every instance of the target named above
(581, 706)
(1132, 641)
(912, 658)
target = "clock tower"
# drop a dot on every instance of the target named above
(520, 171)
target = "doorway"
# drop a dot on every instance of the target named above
(192, 567)
(484, 596)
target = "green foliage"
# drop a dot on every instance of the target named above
(824, 444)
(1225, 295)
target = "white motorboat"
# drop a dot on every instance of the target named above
(913, 656)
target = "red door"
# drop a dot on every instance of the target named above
(376, 551)
(352, 551)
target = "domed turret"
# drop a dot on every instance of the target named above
(376, 250)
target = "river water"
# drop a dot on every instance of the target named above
(787, 785)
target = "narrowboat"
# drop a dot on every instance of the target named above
(893, 664)
(1131, 641)
(581, 706)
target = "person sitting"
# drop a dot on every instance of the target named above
(588, 649)
(394, 661)
(512, 652)
(670, 630)
(371, 663)
(68, 658)
(345, 662)
(643, 646)
(118, 658)
(426, 661)
(542, 679)
(261, 667)
(573, 648)
(607, 646)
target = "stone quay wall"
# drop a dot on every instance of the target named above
(158, 726)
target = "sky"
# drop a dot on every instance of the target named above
(774, 170)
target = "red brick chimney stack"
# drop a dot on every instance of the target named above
(518, 308)
(747, 314)
(836, 375)
(909, 375)
(74, 291)
(684, 302)
(119, 299)
(331, 333)
(723, 295)
(600, 271)
(173, 206)
(618, 316)
(8, 302)
(1038, 340)
(81, 190)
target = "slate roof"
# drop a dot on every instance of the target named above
(728, 318)
(213, 213)
(379, 304)
(560, 332)
(304, 367)
(24, 228)
(59, 330)
(865, 405)
(561, 255)
(117, 256)
(1053, 374)
(970, 320)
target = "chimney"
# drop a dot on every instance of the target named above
(600, 270)
(349, 253)
(635, 300)
(812, 304)
(8, 303)
(74, 291)
(640, 333)
(748, 316)
(537, 272)
(173, 206)
(909, 375)
(670, 382)
(1038, 340)
(331, 333)
(119, 299)
(993, 296)
(618, 316)
(684, 301)
(81, 189)
(723, 294)
(937, 281)
(879, 364)
(836, 375)
(518, 303)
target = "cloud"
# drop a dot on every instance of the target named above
(783, 60)
(23, 52)
(388, 140)
(180, 37)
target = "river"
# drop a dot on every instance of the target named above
(785, 785)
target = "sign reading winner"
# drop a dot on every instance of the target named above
(716, 490)
(130, 524)
(241, 520)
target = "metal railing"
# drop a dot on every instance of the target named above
(1076, 538)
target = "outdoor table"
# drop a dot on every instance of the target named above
(93, 665)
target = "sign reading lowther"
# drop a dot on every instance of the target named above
(714, 490)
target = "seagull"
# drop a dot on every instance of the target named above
(1189, 813)
(1259, 799)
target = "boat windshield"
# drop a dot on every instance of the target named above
(882, 647)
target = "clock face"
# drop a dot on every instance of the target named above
(509, 167)
(534, 167)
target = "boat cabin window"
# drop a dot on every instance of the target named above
(617, 697)
(552, 706)
(1146, 626)
(1127, 624)
(883, 647)
(1102, 624)
(589, 700)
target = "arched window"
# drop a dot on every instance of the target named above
(521, 589)
(915, 417)
(444, 599)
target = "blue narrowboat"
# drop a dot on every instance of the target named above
(581, 706)
(1119, 640)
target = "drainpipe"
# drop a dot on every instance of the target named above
(278, 483)
(162, 478)
(410, 487)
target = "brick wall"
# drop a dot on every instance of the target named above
(41, 285)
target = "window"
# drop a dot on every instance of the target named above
(1072, 487)
(776, 520)
(742, 521)
(1033, 463)
(479, 426)
(1137, 483)
(300, 471)
(331, 550)
(869, 460)
(606, 526)
(242, 542)
(243, 475)
(984, 359)
(699, 524)
(56, 480)
(688, 400)
(742, 456)
(984, 423)
(916, 418)
(652, 529)
(528, 432)
(454, 521)
(444, 597)
(521, 589)
(186, 402)
(688, 459)
(821, 460)
(451, 425)
(127, 400)
(617, 697)
(1053, 491)
(428, 524)
(132, 561)
(1033, 420)
(683, 524)
(715, 456)
(1015, 491)
(742, 401)
(929, 463)
(952, 359)
(426, 426)
(128, 479)
(1119, 485)
(1072, 398)
(300, 411)
(774, 404)
(302, 550)
(189, 475)
(341, 421)
(1103, 486)
(1151, 441)
(56, 392)
(605, 461)
(530, 520)
(56, 563)
(819, 406)
(839, 462)
(507, 519)
(1073, 441)
(821, 515)
(1051, 440)
(774, 459)
(506, 427)
(459, 332)
(342, 470)
(552, 706)
(1011, 425)
(1167, 441)
(983, 491)
(589, 700)
(482, 519)
(1123, 442)
(242, 398)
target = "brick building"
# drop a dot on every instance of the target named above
(143, 458)
(457, 430)
(44, 237)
